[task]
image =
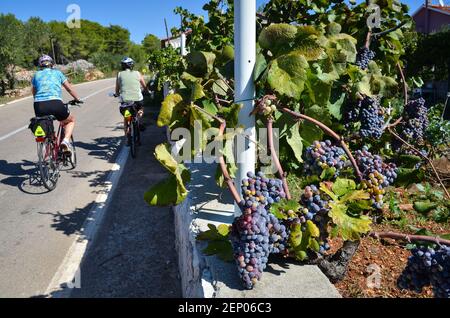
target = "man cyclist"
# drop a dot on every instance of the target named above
(129, 86)
(47, 92)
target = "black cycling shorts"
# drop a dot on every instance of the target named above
(52, 107)
(137, 106)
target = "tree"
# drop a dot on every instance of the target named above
(36, 40)
(138, 54)
(11, 49)
(118, 40)
(151, 43)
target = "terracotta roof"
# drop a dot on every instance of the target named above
(444, 8)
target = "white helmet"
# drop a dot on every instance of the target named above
(127, 61)
(45, 61)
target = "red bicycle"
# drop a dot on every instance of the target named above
(51, 158)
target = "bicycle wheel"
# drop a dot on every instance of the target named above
(48, 168)
(73, 158)
(132, 140)
(138, 132)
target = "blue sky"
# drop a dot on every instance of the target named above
(138, 16)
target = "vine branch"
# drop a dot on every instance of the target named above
(419, 153)
(409, 238)
(330, 132)
(223, 166)
(275, 158)
(380, 34)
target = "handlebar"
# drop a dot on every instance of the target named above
(75, 102)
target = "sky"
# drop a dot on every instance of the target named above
(140, 17)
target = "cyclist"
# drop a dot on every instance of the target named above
(47, 92)
(129, 87)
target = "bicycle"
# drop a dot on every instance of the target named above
(51, 158)
(129, 111)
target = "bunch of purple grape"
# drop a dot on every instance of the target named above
(372, 118)
(416, 121)
(427, 266)
(377, 175)
(323, 155)
(315, 209)
(363, 58)
(250, 239)
(258, 233)
(351, 113)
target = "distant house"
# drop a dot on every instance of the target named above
(431, 18)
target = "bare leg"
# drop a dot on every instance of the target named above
(69, 125)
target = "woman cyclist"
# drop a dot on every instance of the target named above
(47, 92)
(129, 87)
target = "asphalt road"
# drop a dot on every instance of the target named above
(37, 228)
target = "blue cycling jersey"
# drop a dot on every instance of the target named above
(47, 84)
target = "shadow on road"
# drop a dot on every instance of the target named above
(22, 175)
(103, 148)
(71, 223)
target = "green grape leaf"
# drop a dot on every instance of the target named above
(348, 227)
(166, 193)
(197, 92)
(280, 209)
(410, 161)
(200, 64)
(163, 155)
(223, 250)
(295, 239)
(171, 191)
(231, 114)
(171, 110)
(295, 141)
(335, 108)
(210, 107)
(328, 174)
(261, 65)
(343, 186)
(219, 87)
(277, 36)
(287, 75)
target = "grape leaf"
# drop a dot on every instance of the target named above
(279, 209)
(343, 186)
(287, 75)
(200, 64)
(171, 191)
(223, 250)
(295, 141)
(328, 174)
(171, 110)
(348, 227)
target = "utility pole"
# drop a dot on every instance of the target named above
(245, 53)
(53, 50)
(167, 28)
(427, 17)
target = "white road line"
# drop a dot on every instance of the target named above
(25, 127)
(13, 133)
(69, 273)
(76, 85)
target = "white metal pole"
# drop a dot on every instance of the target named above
(183, 44)
(245, 60)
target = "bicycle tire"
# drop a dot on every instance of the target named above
(132, 138)
(48, 169)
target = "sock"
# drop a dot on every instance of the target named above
(66, 140)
